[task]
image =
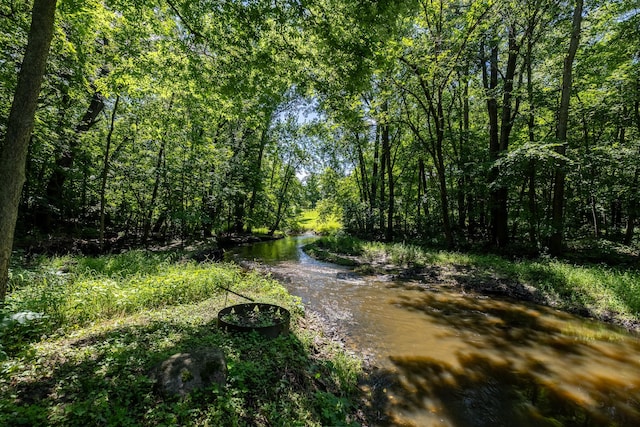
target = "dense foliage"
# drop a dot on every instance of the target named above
(436, 120)
(456, 137)
(465, 124)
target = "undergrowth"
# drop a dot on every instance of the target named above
(81, 336)
(74, 291)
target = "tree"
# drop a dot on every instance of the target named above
(438, 118)
(13, 151)
(557, 216)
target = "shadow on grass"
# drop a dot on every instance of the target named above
(102, 379)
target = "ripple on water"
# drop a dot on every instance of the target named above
(463, 360)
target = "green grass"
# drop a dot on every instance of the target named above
(75, 291)
(603, 291)
(108, 320)
(311, 220)
(264, 231)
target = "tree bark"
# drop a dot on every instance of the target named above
(105, 171)
(282, 196)
(633, 209)
(556, 240)
(156, 185)
(464, 147)
(13, 152)
(257, 178)
(500, 193)
(373, 203)
(386, 148)
(531, 167)
(57, 179)
(633, 194)
(490, 81)
(381, 200)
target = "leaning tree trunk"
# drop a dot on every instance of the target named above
(557, 206)
(13, 151)
(282, 195)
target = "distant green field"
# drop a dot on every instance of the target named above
(310, 220)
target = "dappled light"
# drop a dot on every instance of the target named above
(521, 349)
(103, 376)
(433, 206)
(453, 350)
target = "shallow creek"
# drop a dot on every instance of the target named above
(452, 359)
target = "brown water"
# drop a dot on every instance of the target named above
(448, 359)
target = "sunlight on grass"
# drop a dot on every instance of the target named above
(108, 320)
(76, 291)
(311, 220)
(265, 232)
(600, 289)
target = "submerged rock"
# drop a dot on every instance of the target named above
(348, 276)
(184, 372)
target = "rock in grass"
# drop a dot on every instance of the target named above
(184, 372)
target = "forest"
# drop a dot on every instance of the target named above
(495, 127)
(452, 122)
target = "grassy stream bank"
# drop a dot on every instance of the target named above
(610, 294)
(80, 335)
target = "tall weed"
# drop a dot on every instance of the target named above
(89, 289)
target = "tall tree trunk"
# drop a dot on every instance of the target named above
(632, 208)
(383, 168)
(55, 185)
(386, 148)
(282, 196)
(363, 171)
(422, 192)
(373, 203)
(531, 167)
(556, 240)
(154, 193)
(257, 179)
(499, 193)
(633, 193)
(156, 185)
(490, 80)
(13, 151)
(105, 170)
(464, 149)
(441, 169)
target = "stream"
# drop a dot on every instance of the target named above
(445, 358)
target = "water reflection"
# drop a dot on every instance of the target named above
(449, 359)
(273, 251)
